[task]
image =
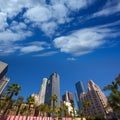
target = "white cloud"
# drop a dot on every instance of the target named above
(73, 4)
(49, 28)
(71, 59)
(3, 23)
(76, 4)
(7, 48)
(8, 35)
(111, 7)
(80, 42)
(38, 14)
(46, 54)
(48, 17)
(32, 48)
(60, 13)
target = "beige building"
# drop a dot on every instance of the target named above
(98, 102)
(3, 80)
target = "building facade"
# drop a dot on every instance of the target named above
(3, 80)
(80, 88)
(42, 91)
(53, 88)
(68, 97)
(98, 102)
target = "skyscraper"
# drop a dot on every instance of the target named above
(52, 88)
(98, 102)
(80, 88)
(3, 79)
(3, 82)
(3, 69)
(42, 91)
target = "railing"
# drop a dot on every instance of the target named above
(31, 118)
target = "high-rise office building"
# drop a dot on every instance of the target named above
(68, 97)
(3, 79)
(52, 88)
(40, 97)
(98, 102)
(42, 91)
(80, 88)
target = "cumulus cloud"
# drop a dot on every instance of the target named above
(80, 42)
(38, 14)
(8, 35)
(18, 18)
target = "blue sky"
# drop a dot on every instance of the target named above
(78, 39)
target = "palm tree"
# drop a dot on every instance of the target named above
(12, 90)
(114, 97)
(80, 113)
(2, 105)
(65, 110)
(23, 110)
(86, 104)
(58, 111)
(73, 107)
(43, 108)
(18, 104)
(53, 101)
(30, 102)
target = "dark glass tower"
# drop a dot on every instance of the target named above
(80, 88)
(68, 97)
(53, 88)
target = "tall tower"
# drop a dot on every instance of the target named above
(98, 101)
(3, 79)
(80, 88)
(42, 91)
(52, 88)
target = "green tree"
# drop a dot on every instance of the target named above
(19, 102)
(73, 107)
(54, 99)
(86, 104)
(80, 114)
(11, 91)
(43, 108)
(65, 110)
(30, 102)
(58, 111)
(23, 110)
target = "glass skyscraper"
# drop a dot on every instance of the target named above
(80, 88)
(53, 88)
